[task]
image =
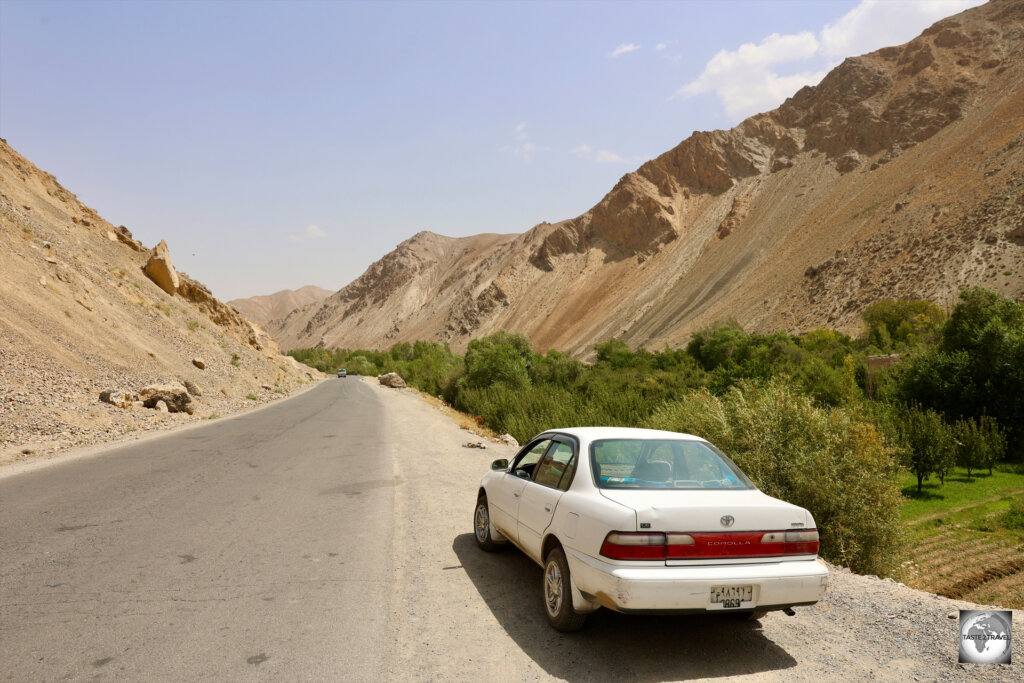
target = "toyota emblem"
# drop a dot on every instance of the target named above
(727, 520)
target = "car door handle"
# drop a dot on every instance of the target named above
(547, 508)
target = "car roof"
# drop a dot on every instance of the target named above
(597, 433)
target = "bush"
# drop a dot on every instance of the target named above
(830, 461)
(500, 358)
(1014, 517)
(897, 324)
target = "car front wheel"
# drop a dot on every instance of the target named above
(482, 526)
(558, 594)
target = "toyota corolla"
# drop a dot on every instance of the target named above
(647, 521)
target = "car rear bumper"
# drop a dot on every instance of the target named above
(659, 588)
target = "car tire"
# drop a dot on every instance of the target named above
(557, 592)
(482, 526)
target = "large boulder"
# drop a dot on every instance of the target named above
(392, 379)
(175, 395)
(160, 270)
(116, 397)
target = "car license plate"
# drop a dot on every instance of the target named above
(728, 597)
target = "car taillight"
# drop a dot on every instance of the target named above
(621, 545)
(625, 545)
(802, 542)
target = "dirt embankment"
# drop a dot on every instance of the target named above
(80, 315)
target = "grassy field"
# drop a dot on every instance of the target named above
(959, 541)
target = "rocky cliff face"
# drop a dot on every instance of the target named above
(900, 174)
(86, 309)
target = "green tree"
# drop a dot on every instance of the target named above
(928, 445)
(979, 367)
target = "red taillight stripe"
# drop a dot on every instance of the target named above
(619, 545)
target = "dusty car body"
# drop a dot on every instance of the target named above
(649, 522)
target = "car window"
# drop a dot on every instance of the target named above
(553, 467)
(527, 462)
(663, 463)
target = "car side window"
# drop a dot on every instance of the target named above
(527, 462)
(554, 466)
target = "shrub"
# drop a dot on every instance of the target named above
(1014, 517)
(500, 358)
(830, 461)
(897, 323)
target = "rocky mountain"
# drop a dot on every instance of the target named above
(85, 309)
(900, 175)
(262, 309)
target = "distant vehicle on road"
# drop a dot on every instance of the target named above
(342, 372)
(647, 521)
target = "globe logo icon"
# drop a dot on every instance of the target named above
(985, 636)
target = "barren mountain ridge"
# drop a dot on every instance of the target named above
(900, 175)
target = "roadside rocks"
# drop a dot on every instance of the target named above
(508, 440)
(199, 363)
(175, 396)
(392, 379)
(122, 399)
(193, 389)
(160, 270)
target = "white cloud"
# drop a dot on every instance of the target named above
(623, 49)
(873, 24)
(603, 156)
(661, 46)
(523, 147)
(311, 232)
(598, 156)
(747, 80)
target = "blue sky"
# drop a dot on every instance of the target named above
(278, 144)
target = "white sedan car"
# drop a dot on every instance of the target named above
(647, 521)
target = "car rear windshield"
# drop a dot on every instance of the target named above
(663, 463)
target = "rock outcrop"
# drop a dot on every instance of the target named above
(175, 396)
(160, 270)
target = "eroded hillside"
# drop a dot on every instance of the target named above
(79, 316)
(900, 175)
(262, 309)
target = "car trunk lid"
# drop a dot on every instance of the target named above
(718, 525)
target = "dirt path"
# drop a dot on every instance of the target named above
(456, 613)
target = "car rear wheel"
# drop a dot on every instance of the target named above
(482, 526)
(558, 594)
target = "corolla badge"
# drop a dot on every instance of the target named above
(727, 520)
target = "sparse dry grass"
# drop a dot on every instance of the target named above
(464, 420)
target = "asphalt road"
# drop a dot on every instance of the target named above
(252, 547)
(329, 537)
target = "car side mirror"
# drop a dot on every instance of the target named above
(499, 464)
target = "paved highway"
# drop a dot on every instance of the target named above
(328, 537)
(257, 545)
